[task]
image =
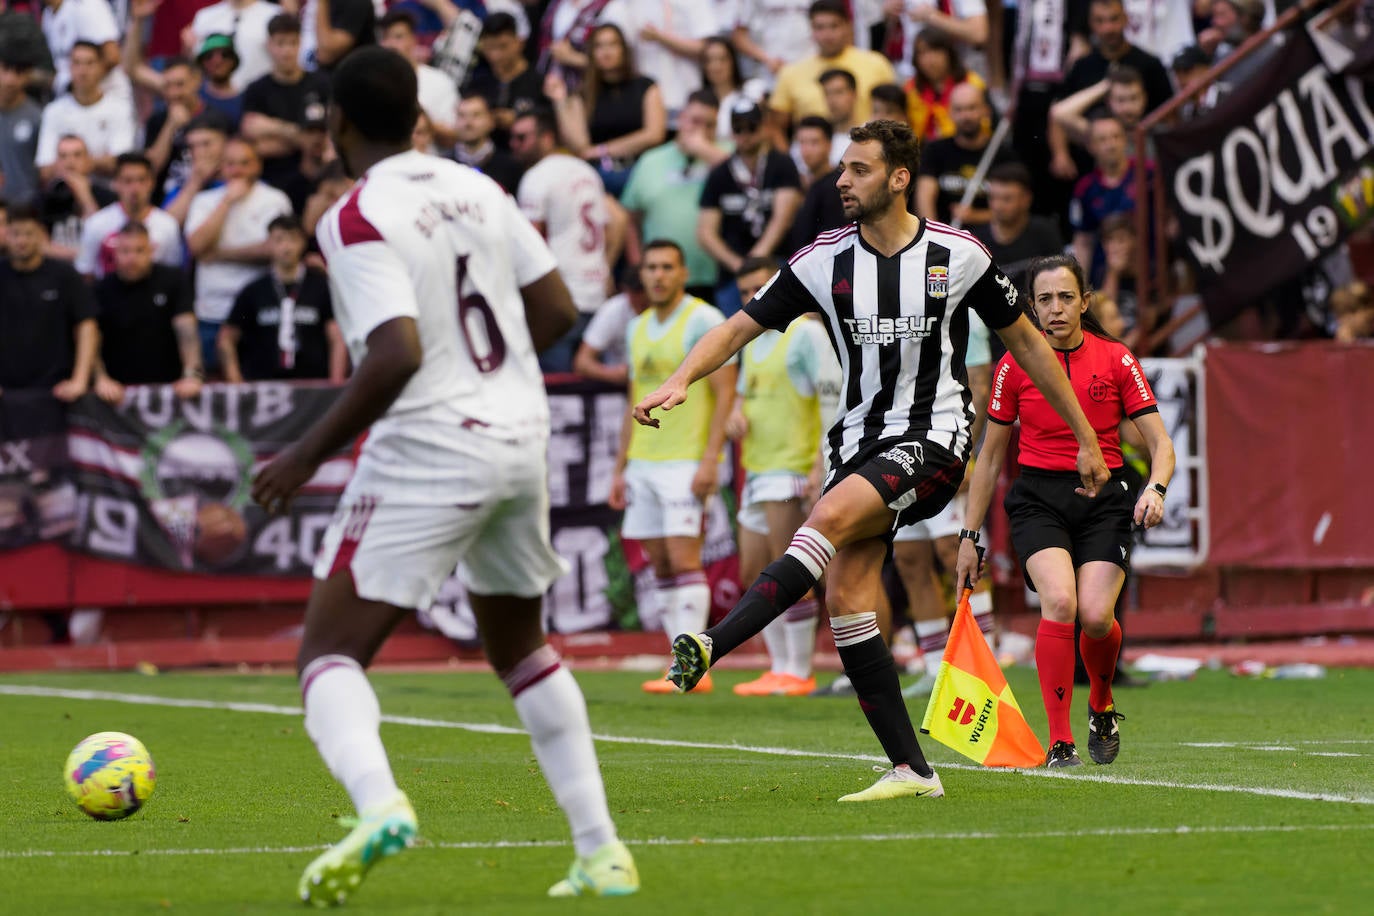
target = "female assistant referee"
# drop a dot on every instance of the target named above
(1074, 551)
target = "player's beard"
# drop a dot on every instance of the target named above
(871, 210)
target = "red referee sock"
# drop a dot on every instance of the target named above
(1099, 657)
(1054, 664)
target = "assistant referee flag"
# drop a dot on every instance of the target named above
(971, 708)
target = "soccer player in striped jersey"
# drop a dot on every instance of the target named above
(894, 291)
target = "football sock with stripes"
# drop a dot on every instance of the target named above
(551, 707)
(1099, 657)
(1054, 651)
(868, 663)
(344, 720)
(781, 585)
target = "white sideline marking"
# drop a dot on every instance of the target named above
(1180, 830)
(486, 728)
(1261, 744)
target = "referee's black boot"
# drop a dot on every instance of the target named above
(1063, 754)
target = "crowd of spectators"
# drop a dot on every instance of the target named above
(165, 162)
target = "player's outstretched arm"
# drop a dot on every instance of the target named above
(710, 353)
(393, 356)
(1033, 355)
(549, 310)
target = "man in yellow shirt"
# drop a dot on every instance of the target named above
(798, 92)
(663, 480)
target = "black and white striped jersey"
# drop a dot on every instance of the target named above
(899, 326)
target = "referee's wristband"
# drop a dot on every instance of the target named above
(1160, 489)
(966, 535)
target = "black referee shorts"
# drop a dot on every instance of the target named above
(915, 478)
(1045, 512)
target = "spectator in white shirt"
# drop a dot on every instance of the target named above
(65, 22)
(133, 182)
(601, 354)
(438, 94)
(226, 232)
(105, 122)
(771, 34)
(666, 37)
(244, 20)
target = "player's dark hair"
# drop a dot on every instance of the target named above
(834, 7)
(818, 123)
(286, 224)
(396, 17)
(656, 244)
(755, 262)
(1012, 173)
(376, 91)
(1069, 263)
(133, 158)
(889, 94)
(835, 73)
(901, 148)
(283, 24)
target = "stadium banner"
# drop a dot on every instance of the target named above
(1273, 178)
(1288, 437)
(37, 495)
(1179, 541)
(166, 482)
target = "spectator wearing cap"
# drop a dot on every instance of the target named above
(798, 91)
(105, 122)
(477, 149)
(20, 119)
(747, 204)
(133, 183)
(244, 23)
(218, 63)
(71, 197)
(48, 335)
(147, 324)
(277, 106)
(332, 28)
(438, 95)
(618, 113)
(1191, 64)
(69, 22)
(226, 232)
(663, 194)
(206, 135)
(508, 82)
(282, 325)
(666, 39)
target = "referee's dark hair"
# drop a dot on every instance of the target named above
(901, 148)
(1069, 263)
(376, 91)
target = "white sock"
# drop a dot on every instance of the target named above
(689, 603)
(775, 638)
(663, 603)
(799, 627)
(551, 706)
(343, 719)
(931, 636)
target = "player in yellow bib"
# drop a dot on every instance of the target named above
(777, 418)
(663, 480)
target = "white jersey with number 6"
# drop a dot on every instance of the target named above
(429, 239)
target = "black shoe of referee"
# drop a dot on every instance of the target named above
(1104, 738)
(1063, 754)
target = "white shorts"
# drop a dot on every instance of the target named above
(659, 500)
(767, 487)
(401, 552)
(945, 523)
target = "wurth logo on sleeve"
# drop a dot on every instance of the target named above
(1141, 388)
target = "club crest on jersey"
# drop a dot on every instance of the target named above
(937, 282)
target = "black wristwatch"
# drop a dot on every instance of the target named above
(1160, 489)
(965, 534)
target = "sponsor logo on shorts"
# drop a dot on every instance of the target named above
(907, 455)
(879, 330)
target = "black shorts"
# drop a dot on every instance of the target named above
(915, 478)
(1045, 512)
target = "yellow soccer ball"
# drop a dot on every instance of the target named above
(109, 775)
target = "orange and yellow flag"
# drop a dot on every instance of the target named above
(971, 708)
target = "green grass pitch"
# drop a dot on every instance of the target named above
(1230, 796)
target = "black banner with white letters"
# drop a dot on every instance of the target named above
(1273, 178)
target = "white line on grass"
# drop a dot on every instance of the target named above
(1180, 830)
(486, 728)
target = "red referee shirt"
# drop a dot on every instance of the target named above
(1110, 385)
